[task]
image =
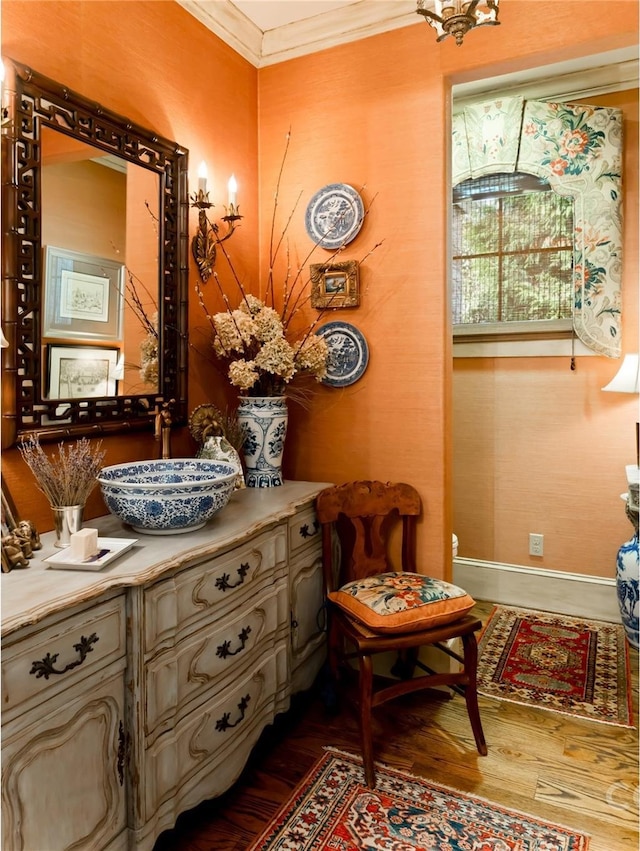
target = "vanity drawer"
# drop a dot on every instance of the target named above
(205, 752)
(50, 660)
(304, 529)
(208, 659)
(173, 607)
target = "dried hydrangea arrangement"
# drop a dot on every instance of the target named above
(261, 361)
(69, 479)
(149, 361)
(149, 371)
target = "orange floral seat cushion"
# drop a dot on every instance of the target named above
(402, 601)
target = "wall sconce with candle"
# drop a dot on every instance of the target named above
(207, 238)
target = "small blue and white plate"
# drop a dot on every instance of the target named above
(334, 215)
(348, 353)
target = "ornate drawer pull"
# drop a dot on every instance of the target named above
(223, 723)
(44, 668)
(306, 532)
(222, 582)
(223, 649)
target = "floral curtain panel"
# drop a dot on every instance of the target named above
(578, 150)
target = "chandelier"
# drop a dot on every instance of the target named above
(457, 17)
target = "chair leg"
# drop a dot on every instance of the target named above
(366, 736)
(470, 646)
(335, 647)
(405, 663)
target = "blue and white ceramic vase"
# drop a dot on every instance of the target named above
(264, 422)
(627, 571)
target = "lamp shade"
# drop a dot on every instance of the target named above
(626, 378)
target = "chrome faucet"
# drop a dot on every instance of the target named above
(163, 421)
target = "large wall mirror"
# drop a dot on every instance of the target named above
(95, 254)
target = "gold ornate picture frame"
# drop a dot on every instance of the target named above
(335, 285)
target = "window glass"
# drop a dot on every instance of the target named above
(512, 240)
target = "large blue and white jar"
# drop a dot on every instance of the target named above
(263, 420)
(627, 573)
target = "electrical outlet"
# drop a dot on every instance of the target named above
(536, 544)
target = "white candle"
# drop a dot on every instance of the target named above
(202, 177)
(233, 188)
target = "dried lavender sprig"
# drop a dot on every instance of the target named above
(72, 478)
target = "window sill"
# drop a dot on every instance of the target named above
(545, 338)
(519, 348)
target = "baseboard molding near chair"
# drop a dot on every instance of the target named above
(536, 588)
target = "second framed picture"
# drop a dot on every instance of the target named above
(335, 284)
(81, 372)
(84, 296)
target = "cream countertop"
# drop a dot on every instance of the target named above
(28, 595)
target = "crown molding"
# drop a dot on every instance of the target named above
(340, 26)
(592, 75)
(229, 24)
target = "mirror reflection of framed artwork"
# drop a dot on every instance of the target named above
(83, 296)
(81, 372)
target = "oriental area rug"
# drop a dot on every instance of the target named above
(570, 665)
(333, 810)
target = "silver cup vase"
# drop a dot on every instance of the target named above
(67, 519)
(263, 420)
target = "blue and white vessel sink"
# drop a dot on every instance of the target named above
(167, 497)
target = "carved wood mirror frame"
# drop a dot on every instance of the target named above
(32, 102)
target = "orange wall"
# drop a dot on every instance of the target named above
(372, 113)
(156, 64)
(376, 113)
(372, 123)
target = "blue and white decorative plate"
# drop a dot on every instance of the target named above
(334, 215)
(348, 353)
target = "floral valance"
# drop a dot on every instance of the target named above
(578, 150)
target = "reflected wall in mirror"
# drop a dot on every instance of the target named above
(100, 238)
(95, 238)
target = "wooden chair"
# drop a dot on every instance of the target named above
(375, 610)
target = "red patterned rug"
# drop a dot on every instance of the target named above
(556, 662)
(333, 810)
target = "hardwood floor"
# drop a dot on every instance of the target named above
(577, 773)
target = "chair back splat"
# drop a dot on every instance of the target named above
(364, 514)
(376, 605)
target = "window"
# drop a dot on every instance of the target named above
(512, 264)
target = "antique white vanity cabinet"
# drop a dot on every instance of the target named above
(306, 588)
(135, 693)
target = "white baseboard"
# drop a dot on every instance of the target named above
(535, 588)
